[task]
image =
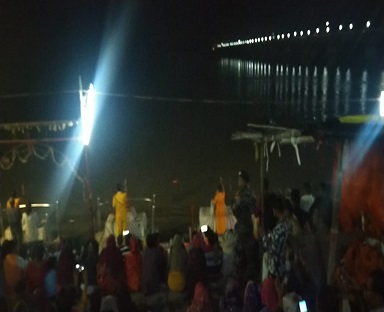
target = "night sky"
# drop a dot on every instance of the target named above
(46, 45)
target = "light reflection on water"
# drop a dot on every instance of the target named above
(303, 93)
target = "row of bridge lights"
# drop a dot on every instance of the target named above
(295, 34)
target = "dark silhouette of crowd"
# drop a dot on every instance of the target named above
(244, 269)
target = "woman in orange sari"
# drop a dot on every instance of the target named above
(219, 202)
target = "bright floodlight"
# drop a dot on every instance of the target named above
(295, 33)
(204, 228)
(368, 24)
(125, 233)
(288, 35)
(87, 109)
(340, 27)
(326, 23)
(282, 36)
(317, 30)
(382, 104)
(328, 30)
(278, 37)
(270, 38)
(308, 32)
(351, 26)
(301, 33)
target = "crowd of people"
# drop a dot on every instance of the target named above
(258, 266)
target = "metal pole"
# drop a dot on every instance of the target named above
(261, 175)
(153, 213)
(88, 190)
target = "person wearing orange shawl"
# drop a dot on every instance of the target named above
(219, 202)
(133, 265)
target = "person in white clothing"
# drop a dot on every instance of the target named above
(30, 225)
(307, 199)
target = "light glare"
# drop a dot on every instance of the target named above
(326, 23)
(204, 228)
(317, 30)
(368, 24)
(308, 32)
(351, 26)
(340, 27)
(328, 30)
(381, 107)
(87, 103)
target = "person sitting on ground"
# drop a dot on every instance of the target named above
(154, 267)
(65, 267)
(66, 277)
(178, 258)
(232, 300)
(228, 242)
(196, 266)
(133, 265)
(14, 268)
(50, 279)
(213, 255)
(252, 299)
(35, 273)
(201, 301)
(110, 266)
(89, 261)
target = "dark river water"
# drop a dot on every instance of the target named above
(173, 137)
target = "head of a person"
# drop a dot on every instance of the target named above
(243, 178)
(211, 236)
(325, 188)
(156, 237)
(118, 187)
(91, 248)
(220, 188)
(198, 240)
(374, 294)
(51, 263)
(28, 209)
(111, 242)
(307, 188)
(9, 247)
(277, 204)
(38, 252)
(120, 240)
(177, 242)
(151, 240)
(295, 196)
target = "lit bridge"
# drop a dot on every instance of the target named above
(326, 44)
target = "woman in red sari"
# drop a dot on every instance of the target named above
(110, 268)
(133, 265)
